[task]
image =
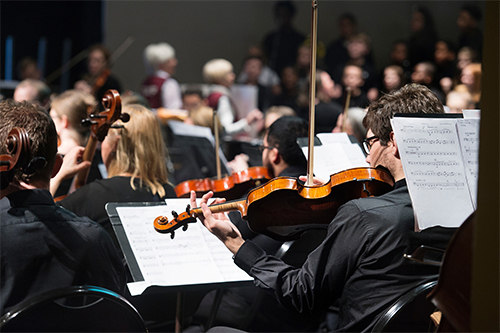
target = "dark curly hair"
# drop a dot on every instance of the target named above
(283, 133)
(412, 98)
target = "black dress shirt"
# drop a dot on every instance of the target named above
(360, 261)
(45, 247)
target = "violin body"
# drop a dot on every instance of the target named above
(283, 208)
(231, 187)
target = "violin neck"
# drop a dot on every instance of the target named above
(312, 93)
(81, 177)
(240, 206)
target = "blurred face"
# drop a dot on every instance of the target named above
(464, 20)
(304, 57)
(456, 104)
(346, 27)
(169, 66)
(289, 78)
(191, 102)
(353, 77)
(464, 59)
(391, 79)
(442, 53)
(96, 62)
(229, 79)
(399, 53)
(357, 49)
(417, 22)
(467, 77)
(253, 68)
(419, 75)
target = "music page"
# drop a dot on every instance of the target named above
(194, 256)
(468, 132)
(435, 175)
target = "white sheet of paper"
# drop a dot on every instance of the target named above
(472, 114)
(335, 157)
(245, 97)
(194, 256)
(329, 138)
(468, 132)
(434, 170)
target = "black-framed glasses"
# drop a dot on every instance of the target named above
(262, 147)
(368, 142)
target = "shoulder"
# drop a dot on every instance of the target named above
(169, 191)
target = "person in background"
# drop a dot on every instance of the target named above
(392, 78)
(444, 58)
(468, 21)
(43, 246)
(399, 56)
(353, 123)
(32, 91)
(98, 79)
(423, 73)
(252, 67)
(288, 91)
(160, 88)
(27, 69)
(471, 82)
(280, 46)
(267, 77)
(457, 101)
(353, 79)
(192, 99)
(219, 73)
(423, 36)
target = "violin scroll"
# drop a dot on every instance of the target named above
(18, 149)
(163, 225)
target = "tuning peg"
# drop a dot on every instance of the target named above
(87, 122)
(188, 209)
(174, 214)
(125, 117)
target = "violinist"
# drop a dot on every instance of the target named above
(135, 159)
(44, 247)
(360, 262)
(99, 79)
(282, 156)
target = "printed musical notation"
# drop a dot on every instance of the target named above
(432, 154)
(167, 262)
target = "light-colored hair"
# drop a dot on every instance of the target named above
(156, 54)
(42, 90)
(355, 117)
(204, 116)
(141, 150)
(74, 105)
(216, 70)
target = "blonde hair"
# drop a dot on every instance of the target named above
(204, 116)
(216, 70)
(140, 150)
(74, 105)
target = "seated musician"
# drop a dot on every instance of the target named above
(135, 160)
(361, 259)
(282, 156)
(43, 246)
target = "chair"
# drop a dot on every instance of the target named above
(410, 313)
(74, 309)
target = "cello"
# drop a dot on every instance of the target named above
(283, 208)
(18, 149)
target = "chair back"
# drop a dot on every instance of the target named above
(410, 313)
(74, 309)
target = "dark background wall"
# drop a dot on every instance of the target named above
(198, 30)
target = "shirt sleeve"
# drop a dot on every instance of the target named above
(321, 279)
(226, 117)
(171, 96)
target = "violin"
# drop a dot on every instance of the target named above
(18, 149)
(283, 208)
(232, 186)
(100, 123)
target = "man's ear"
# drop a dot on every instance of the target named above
(57, 165)
(394, 146)
(64, 121)
(274, 156)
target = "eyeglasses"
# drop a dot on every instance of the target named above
(262, 147)
(368, 142)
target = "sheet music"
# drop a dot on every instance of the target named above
(472, 114)
(433, 165)
(336, 154)
(468, 132)
(194, 256)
